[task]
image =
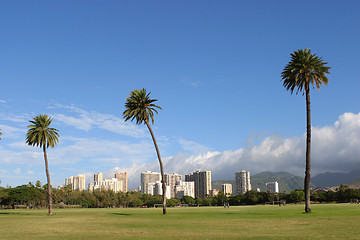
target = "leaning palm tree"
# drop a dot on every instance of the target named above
(304, 69)
(43, 136)
(140, 107)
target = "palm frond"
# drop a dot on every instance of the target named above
(303, 70)
(40, 133)
(140, 107)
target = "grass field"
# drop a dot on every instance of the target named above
(327, 221)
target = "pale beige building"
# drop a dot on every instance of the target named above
(98, 177)
(112, 184)
(76, 182)
(123, 178)
(226, 189)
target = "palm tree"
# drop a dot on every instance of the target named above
(43, 136)
(0, 133)
(304, 69)
(140, 107)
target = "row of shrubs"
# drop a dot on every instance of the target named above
(35, 197)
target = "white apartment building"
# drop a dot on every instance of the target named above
(159, 191)
(171, 180)
(76, 182)
(107, 184)
(149, 178)
(242, 182)
(185, 189)
(226, 189)
(98, 177)
(272, 187)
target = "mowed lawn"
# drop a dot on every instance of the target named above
(327, 221)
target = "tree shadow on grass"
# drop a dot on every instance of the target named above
(121, 214)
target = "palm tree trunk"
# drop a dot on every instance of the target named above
(161, 167)
(48, 180)
(308, 150)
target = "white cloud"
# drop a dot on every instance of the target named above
(96, 150)
(191, 82)
(17, 118)
(17, 171)
(334, 148)
(193, 147)
(9, 132)
(88, 120)
(2, 101)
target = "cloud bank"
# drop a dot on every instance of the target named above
(334, 149)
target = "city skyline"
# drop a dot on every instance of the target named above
(214, 68)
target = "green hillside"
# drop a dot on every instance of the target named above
(287, 182)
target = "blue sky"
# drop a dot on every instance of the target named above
(214, 67)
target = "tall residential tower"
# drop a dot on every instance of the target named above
(148, 179)
(123, 178)
(202, 182)
(242, 182)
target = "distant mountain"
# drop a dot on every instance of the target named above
(335, 179)
(287, 182)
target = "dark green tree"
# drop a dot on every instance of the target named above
(40, 134)
(303, 70)
(141, 108)
(188, 200)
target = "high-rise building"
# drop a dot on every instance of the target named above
(111, 184)
(272, 187)
(227, 189)
(107, 184)
(184, 189)
(98, 177)
(157, 190)
(147, 178)
(76, 182)
(171, 180)
(242, 182)
(123, 178)
(202, 182)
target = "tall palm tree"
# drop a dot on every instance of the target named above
(43, 136)
(140, 107)
(304, 69)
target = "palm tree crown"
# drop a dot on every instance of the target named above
(303, 69)
(140, 107)
(40, 134)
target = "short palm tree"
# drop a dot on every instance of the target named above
(141, 108)
(43, 136)
(304, 69)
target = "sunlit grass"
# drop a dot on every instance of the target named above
(327, 221)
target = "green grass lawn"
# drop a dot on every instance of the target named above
(327, 221)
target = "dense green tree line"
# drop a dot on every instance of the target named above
(35, 196)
